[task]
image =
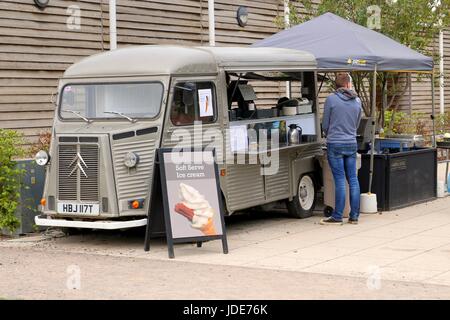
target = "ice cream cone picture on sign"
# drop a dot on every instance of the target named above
(205, 103)
(196, 209)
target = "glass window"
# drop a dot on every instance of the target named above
(136, 100)
(193, 101)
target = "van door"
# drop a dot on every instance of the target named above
(194, 115)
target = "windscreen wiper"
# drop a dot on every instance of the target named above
(77, 113)
(122, 115)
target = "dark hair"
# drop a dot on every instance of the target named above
(342, 80)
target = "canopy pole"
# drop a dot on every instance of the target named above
(384, 99)
(441, 73)
(410, 93)
(287, 24)
(372, 116)
(321, 84)
(433, 105)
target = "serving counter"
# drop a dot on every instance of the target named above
(254, 136)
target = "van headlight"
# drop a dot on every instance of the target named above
(131, 159)
(42, 158)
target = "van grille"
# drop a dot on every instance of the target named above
(67, 184)
(89, 184)
(72, 183)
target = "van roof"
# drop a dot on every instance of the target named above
(168, 60)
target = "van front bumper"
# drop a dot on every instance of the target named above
(47, 221)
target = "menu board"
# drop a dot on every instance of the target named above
(192, 202)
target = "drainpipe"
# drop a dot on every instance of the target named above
(287, 24)
(211, 23)
(441, 71)
(112, 25)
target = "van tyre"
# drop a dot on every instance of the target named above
(303, 204)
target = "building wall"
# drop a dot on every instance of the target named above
(37, 46)
(35, 49)
(421, 92)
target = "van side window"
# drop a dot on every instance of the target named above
(193, 101)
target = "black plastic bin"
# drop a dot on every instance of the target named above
(401, 179)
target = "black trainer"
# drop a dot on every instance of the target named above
(353, 221)
(331, 221)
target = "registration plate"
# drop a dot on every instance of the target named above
(78, 208)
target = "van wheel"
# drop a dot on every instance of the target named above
(302, 205)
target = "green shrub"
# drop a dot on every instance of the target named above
(415, 123)
(11, 143)
(398, 120)
(442, 123)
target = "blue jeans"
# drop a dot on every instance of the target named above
(342, 160)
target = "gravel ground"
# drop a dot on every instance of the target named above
(38, 274)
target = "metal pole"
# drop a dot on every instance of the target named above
(287, 24)
(372, 116)
(433, 105)
(112, 25)
(211, 23)
(441, 72)
(410, 93)
(385, 98)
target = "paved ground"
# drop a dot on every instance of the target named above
(399, 254)
(37, 274)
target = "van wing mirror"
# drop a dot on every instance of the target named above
(188, 93)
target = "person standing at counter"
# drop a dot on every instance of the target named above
(342, 114)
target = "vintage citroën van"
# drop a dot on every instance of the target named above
(115, 109)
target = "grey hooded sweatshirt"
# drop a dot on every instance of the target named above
(341, 116)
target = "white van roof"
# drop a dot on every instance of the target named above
(179, 60)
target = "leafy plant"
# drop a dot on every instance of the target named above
(11, 143)
(43, 143)
(392, 122)
(442, 123)
(415, 123)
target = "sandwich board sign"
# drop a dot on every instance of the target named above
(191, 198)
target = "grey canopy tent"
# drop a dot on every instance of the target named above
(341, 45)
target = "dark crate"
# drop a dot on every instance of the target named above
(401, 179)
(443, 144)
(30, 196)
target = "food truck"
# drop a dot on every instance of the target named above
(115, 109)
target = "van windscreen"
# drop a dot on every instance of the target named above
(93, 101)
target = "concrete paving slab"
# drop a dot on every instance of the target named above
(283, 262)
(440, 279)
(410, 274)
(418, 242)
(358, 242)
(322, 252)
(427, 261)
(443, 231)
(350, 266)
(388, 252)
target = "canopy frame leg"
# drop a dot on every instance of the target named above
(372, 116)
(433, 105)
